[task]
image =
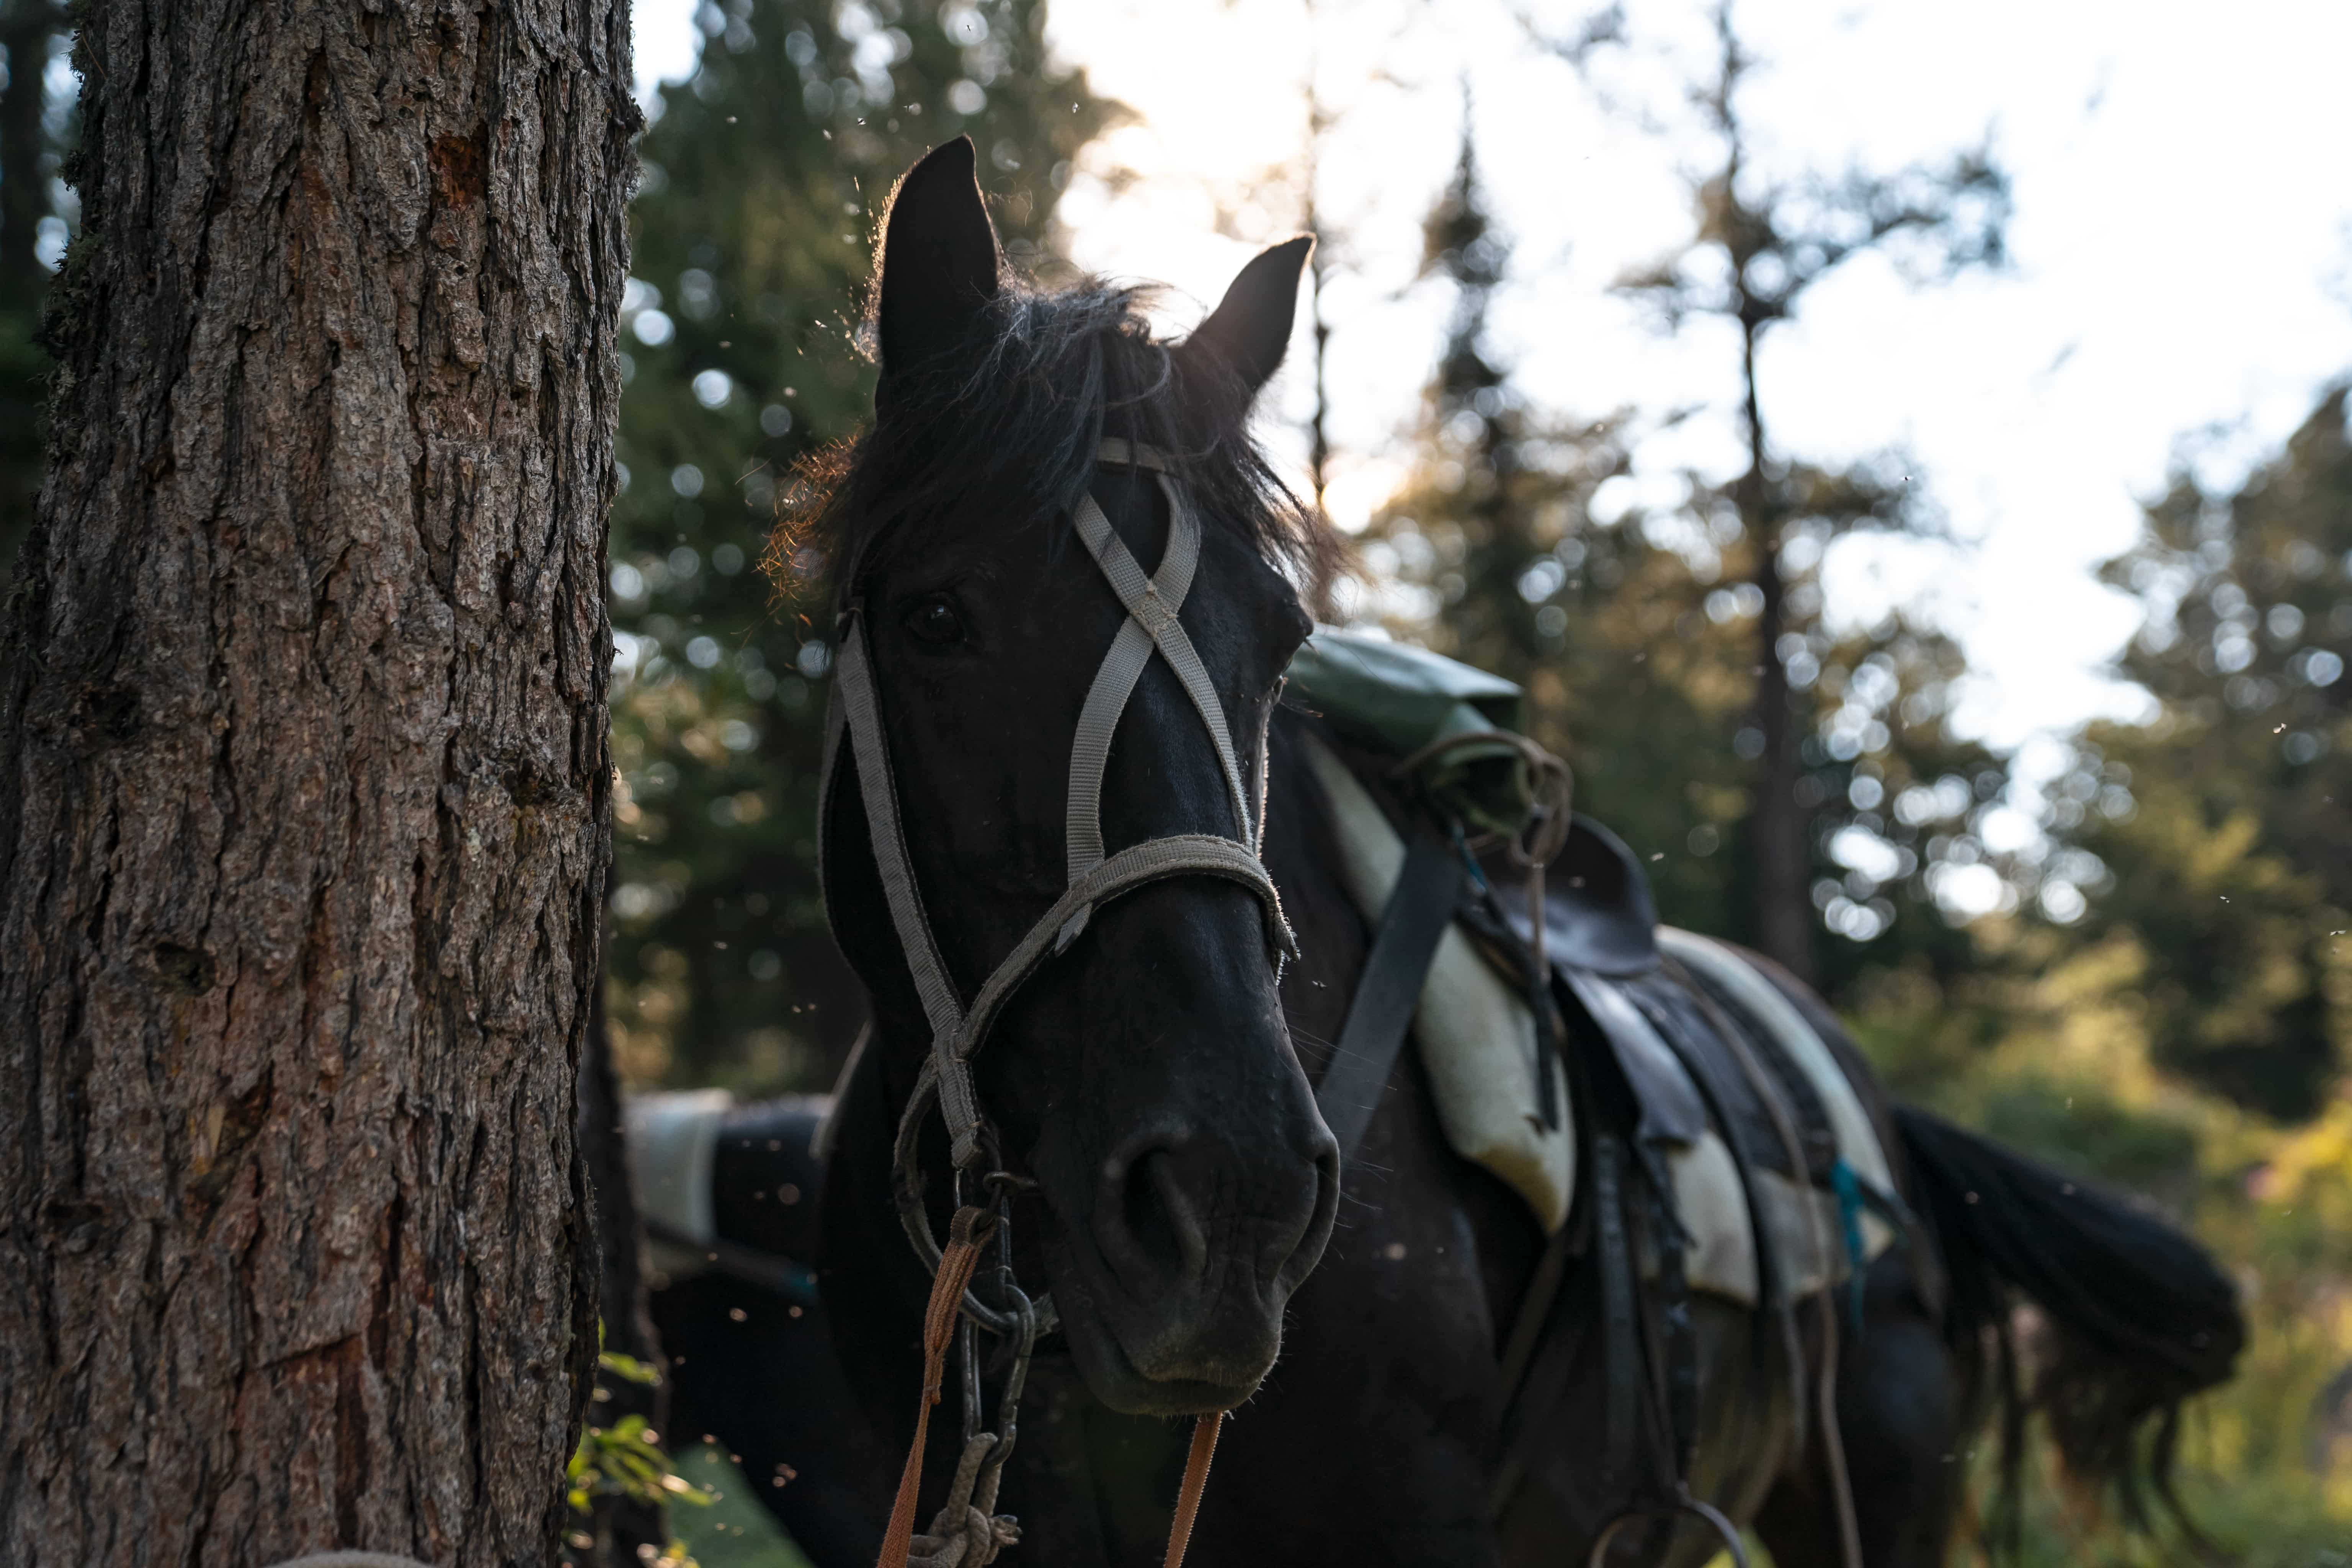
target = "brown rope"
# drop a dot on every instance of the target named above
(1196, 1478)
(966, 1236)
(959, 1261)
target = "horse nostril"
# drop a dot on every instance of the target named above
(1150, 1227)
(1172, 1206)
(1162, 1216)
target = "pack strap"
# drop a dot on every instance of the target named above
(1413, 922)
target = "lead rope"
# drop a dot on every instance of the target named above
(1196, 1478)
(959, 1261)
(1550, 786)
(963, 1534)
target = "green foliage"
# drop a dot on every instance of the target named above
(763, 179)
(625, 1460)
(628, 1368)
(2219, 826)
(622, 1460)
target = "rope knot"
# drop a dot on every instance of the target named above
(972, 1540)
(963, 1534)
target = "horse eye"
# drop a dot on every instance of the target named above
(935, 621)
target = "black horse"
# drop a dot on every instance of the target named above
(1154, 1080)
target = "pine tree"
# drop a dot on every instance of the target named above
(763, 178)
(2219, 827)
(1755, 250)
(1634, 645)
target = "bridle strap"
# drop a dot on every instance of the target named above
(1152, 603)
(853, 680)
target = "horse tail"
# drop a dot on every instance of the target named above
(2140, 1316)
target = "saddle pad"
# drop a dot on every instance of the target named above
(671, 1140)
(1857, 1139)
(1800, 1225)
(1478, 1038)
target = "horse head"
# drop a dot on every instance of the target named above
(1139, 1073)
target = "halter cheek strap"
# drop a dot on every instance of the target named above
(1152, 604)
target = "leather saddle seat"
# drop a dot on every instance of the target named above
(1597, 912)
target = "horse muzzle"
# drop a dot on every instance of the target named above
(1186, 1262)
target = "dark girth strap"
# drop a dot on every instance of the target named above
(1418, 909)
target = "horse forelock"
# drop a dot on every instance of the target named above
(1004, 433)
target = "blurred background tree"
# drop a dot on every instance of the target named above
(764, 176)
(37, 130)
(2170, 1011)
(2219, 827)
(1636, 639)
(1759, 244)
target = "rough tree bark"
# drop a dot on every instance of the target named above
(304, 789)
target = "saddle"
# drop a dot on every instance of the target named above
(1621, 980)
(1723, 1150)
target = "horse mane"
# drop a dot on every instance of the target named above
(1016, 419)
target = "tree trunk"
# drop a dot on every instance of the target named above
(304, 789)
(1780, 827)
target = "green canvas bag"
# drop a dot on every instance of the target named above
(1396, 700)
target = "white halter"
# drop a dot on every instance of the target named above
(1152, 603)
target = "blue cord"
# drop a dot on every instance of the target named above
(1849, 1201)
(1469, 861)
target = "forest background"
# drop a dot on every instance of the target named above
(2119, 944)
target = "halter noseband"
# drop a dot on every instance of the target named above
(1152, 603)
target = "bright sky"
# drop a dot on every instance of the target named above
(2182, 251)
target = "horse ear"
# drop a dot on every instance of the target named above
(939, 258)
(1249, 331)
